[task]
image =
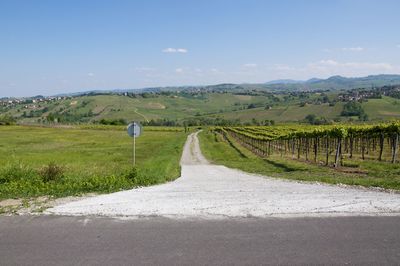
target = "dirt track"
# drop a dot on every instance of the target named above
(212, 191)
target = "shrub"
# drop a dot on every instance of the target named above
(132, 174)
(7, 120)
(51, 172)
(352, 109)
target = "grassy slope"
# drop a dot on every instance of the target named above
(94, 160)
(383, 175)
(385, 108)
(212, 104)
(289, 113)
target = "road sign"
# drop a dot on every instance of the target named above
(134, 129)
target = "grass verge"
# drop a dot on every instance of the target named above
(363, 173)
(61, 162)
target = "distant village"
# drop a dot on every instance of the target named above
(31, 102)
(358, 95)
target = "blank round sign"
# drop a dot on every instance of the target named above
(134, 129)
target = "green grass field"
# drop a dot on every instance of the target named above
(363, 173)
(92, 160)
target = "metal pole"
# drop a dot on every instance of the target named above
(134, 151)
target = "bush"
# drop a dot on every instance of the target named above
(7, 120)
(114, 122)
(316, 120)
(51, 172)
(352, 109)
(132, 174)
(251, 106)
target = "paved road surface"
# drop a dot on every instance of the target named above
(58, 240)
(211, 191)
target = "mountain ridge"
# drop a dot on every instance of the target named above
(336, 82)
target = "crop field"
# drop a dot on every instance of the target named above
(69, 161)
(379, 141)
(357, 155)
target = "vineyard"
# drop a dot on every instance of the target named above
(328, 145)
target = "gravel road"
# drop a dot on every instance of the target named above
(212, 191)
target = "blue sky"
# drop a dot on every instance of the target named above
(50, 47)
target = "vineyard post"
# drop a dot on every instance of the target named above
(315, 149)
(362, 148)
(327, 150)
(381, 142)
(395, 143)
(293, 147)
(338, 152)
(351, 146)
(307, 144)
(298, 148)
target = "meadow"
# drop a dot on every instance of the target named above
(65, 161)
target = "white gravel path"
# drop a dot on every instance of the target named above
(212, 191)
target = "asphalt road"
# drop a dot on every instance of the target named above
(60, 240)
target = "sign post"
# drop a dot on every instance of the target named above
(134, 130)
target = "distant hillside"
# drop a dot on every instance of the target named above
(284, 81)
(239, 105)
(332, 83)
(339, 83)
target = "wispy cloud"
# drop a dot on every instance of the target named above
(145, 69)
(250, 65)
(281, 67)
(179, 70)
(330, 67)
(398, 46)
(354, 65)
(175, 50)
(353, 49)
(90, 74)
(215, 71)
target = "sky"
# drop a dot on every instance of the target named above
(50, 47)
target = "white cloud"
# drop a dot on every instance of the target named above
(145, 69)
(215, 71)
(90, 74)
(327, 50)
(353, 49)
(179, 70)
(330, 67)
(398, 46)
(352, 65)
(282, 67)
(175, 50)
(250, 65)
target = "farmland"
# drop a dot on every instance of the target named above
(206, 107)
(74, 160)
(288, 152)
(368, 141)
